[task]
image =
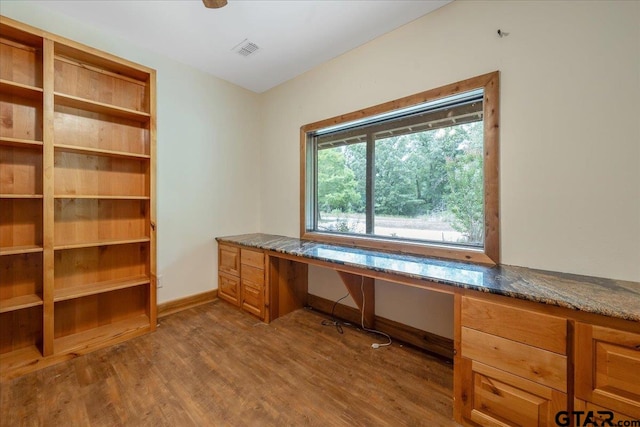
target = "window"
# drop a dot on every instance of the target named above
(416, 175)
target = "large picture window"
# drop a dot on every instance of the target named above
(417, 175)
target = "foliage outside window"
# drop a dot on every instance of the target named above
(416, 175)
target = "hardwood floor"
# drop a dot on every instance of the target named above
(214, 365)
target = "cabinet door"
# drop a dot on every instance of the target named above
(253, 282)
(229, 288)
(493, 397)
(228, 259)
(608, 368)
(253, 298)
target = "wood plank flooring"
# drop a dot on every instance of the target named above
(215, 366)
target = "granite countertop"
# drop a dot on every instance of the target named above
(608, 297)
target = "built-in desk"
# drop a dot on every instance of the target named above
(527, 343)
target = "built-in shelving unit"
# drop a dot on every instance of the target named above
(77, 213)
(21, 197)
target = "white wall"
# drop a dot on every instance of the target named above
(570, 130)
(207, 163)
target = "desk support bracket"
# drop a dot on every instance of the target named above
(355, 284)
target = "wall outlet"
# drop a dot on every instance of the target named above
(159, 281)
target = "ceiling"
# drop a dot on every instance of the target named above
(294, 36)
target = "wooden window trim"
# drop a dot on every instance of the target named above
(490, 254)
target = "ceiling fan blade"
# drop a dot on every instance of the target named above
(214, 4)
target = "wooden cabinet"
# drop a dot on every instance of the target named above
(496, 397)
(21, 196)
(252, 282)
(607, 369)
(241, 278)
(77, 185)
(513, 365)
(229, 273)
(602, 416)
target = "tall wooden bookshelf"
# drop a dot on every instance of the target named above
(77, 199)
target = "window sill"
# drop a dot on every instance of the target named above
(477, 256)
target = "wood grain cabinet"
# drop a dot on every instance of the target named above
(241, 274)
(252, 282)
(607, 370)
(513, 365)
(77, 209)
(21, 196)
(229, 273)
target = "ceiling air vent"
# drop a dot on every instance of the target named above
(246, 48)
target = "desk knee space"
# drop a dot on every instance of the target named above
(289, 287)
(359, 287)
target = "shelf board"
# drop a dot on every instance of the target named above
(100, 243)
(21, 357)
(118, 75)
(100, 152)
(101, 335)
(15, 250)
(18, 303)
(100, 107)
(99, 287)
(23, 143)
(95, 196)
(19, 89)
(101, 61)
(18, 38)
(21, 196)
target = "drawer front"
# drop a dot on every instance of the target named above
(494, 397)
(229, 288)
(541, 366)
(252, 258)
(253, 298)
(252, 274)
(528, 327)
(608, 368)
(603, 416)
(228, 259)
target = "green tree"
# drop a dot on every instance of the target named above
(465, 198)
(355, 156)
(396, 162)
(435, 148)
(336, 182)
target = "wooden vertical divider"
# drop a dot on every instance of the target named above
(458, 370)
(48, 200)
(153, 286)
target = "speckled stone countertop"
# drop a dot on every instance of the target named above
(613, 298)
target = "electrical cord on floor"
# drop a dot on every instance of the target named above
(374, 331)
(338, 324)
(334, 321)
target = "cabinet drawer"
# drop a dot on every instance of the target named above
(494, 397)
(253, 298)
(608, 368)
(525, 326)
(602, 415)
(229, 288)
(252, 258)
(228, 259)
(252, 274)
(535, 364)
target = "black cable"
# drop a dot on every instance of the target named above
(335, 322)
